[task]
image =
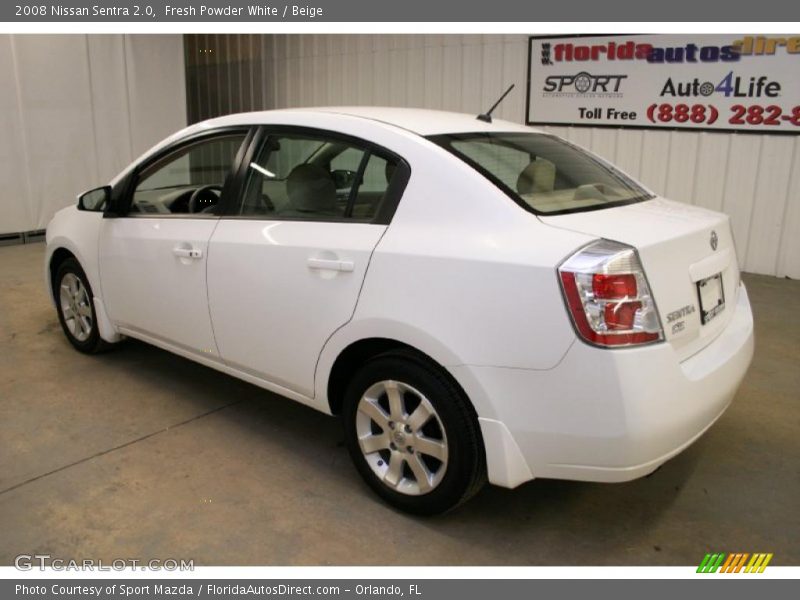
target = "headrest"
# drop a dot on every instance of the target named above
(311, 189)
(538, 177)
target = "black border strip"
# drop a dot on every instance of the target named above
(634, 127)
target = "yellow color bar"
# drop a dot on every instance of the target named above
(751, 563)
(753, 567)
(765, 563)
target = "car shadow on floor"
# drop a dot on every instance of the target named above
(593, 516)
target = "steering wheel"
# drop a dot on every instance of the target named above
(201, 200)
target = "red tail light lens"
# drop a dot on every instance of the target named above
(614, 286)
(621, 316)
(608, 296)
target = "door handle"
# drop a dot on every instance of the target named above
(331, 264)
(187, 252)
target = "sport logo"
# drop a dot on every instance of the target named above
(584, 83)
(734, 562)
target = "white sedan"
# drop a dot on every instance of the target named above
(477, 300)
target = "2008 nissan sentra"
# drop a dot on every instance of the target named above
(477, 300)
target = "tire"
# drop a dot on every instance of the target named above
(71, 289)
(449, 438)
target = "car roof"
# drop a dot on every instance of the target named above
(423, 122)
(418, 121)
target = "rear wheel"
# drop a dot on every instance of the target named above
(413, 435)
(75, 305)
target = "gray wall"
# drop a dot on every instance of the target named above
(227, 74)
(753, 178)
(76, 109)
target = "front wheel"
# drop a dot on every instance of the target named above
(413, 435)
(75, 305)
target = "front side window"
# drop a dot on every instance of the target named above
(310, 177)
(542, 172)
(188, 181)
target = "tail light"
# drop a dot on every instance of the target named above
(608, 296)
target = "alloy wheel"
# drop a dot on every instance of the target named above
(402, 437)
(75, 307)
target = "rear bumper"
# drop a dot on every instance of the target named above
(607, 415)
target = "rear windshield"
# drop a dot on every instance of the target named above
(544, 173)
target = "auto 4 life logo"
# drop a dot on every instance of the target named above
(730, 86)
(738, 562)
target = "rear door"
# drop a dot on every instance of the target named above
(153, 257)
(287, 262)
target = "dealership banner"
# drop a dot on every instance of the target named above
(742, 82)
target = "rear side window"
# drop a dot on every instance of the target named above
(542, 172)
(309, 177)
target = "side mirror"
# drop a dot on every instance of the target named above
(95, 200)
(343, 178)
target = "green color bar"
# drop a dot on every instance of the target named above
(703, 563)
(718, 563)
(711, 562)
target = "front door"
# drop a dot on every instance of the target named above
(153, 259)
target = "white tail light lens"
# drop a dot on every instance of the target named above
(608, 296)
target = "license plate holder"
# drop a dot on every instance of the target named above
(711, 296)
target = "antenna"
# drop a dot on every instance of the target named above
(487, 116)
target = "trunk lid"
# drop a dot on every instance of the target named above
(680, 246)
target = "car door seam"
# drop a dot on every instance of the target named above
(208, 293)
(353, 312)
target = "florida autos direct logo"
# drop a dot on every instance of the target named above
(735, 562)
(630, 50)
(655, 54)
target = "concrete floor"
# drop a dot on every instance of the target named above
(141, 454)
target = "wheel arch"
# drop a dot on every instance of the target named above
(57, 257)
(348, 362)
(61, 249)
(352, 356)
(506, 466)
